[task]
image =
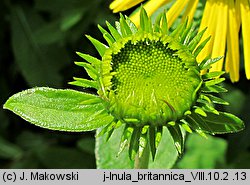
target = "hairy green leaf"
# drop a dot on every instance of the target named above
(56, 109)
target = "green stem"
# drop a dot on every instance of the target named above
(142, 162)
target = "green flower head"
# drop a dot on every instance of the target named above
(147, 78)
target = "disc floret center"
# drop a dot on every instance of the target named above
(149, 83)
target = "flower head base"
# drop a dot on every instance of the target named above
(149, 78)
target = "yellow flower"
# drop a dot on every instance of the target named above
(224, 18)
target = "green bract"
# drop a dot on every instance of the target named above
(147, 79)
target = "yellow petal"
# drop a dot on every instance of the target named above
(175, 11)
(208, 21)
(233, 57)
(245, 17)
(207, 14)
(237, 7)
(150, 7)
(219, 44)
(189, 12)
(121, 5)
(118, 3)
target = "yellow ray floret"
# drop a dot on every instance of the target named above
(233, 56)
(121, 5)
(219, 44)
(175, 11)
(245, 17)
(208, 19)
(190, 10)
(151, 6)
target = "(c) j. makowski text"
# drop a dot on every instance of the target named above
(49, 176)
